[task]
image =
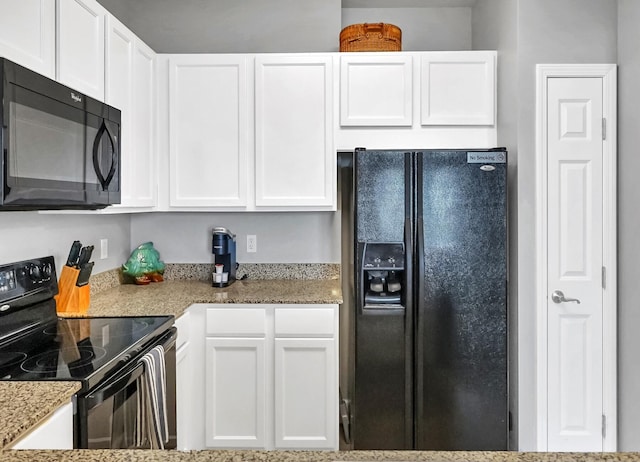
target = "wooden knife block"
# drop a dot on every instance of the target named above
(71, 299)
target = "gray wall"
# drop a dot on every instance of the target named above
(628, 224)
(423, 29)
(232, 26)
(27, 235)
(184, 237)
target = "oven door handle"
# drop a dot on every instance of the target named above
(169, 339)
(113, 386)
(122, 380)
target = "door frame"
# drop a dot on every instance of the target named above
(608, 73)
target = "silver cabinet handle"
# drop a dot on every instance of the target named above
(558, 297)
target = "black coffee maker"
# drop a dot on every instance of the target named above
(223, 247)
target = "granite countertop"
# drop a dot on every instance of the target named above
(23, 405)
(175, 296)
(307, 456)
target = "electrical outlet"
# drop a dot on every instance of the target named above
(252, 243)
(104, 248)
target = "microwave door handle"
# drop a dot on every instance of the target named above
(114, 157)
(104, 182)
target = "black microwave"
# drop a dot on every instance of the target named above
(60, 148)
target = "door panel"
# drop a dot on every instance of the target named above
(575, 188)
(382, 401)
(305, 397)
(462, 309)
(208, 95)
(235, 395)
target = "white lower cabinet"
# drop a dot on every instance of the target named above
(184, 381)
(269, 378)
(305, 399)
(56, 432)
(235, 392)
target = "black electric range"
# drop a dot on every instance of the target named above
(103, 353)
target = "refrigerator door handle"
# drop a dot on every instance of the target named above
(420, 328)
(419, 297)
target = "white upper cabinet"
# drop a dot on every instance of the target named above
(130, 87)
(27, 34)
(208, 130)
(80, 42)
(143, 177)
(294, 150)
(458, 88)
(251, 132)
(376, 90)
(422, 99)
(120, 43)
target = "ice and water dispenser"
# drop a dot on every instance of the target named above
(382, 276)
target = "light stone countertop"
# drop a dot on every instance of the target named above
(307, 456)
(175, 296)
(23, 405)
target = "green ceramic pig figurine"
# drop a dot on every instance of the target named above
(144, 265)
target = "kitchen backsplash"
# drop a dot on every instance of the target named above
(203, 271)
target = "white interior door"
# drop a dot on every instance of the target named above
(575, 264)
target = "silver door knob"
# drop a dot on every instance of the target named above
(558, 297)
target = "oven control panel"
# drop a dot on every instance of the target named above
(24, 278)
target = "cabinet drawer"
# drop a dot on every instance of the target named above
(236, 322)
(304, 322)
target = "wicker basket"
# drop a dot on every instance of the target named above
(371, 37)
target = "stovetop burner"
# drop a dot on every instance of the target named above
(78, 359)
(11, 358)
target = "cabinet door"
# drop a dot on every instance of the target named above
(81, 46)
(27, 34)
(208, 129)
(295, 158)
(376, 90)
(235, 392)
(130, 87)
(184, 397)
(56, 432)
(458, 88)
(142, 175)
(120, 43)
(184, 384)
(306, 393)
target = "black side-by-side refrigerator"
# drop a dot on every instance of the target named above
(424, 353)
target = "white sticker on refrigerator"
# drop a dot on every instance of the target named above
(486, 157)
